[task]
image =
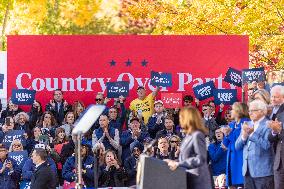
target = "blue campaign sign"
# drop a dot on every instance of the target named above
(234, 77)
(116, 89)
(204, 90)
(25, 184)
(1, 81)
(254, 74)
(20, 157)
(23, 96)
(225, 96)
(161, 80)
(12, 135)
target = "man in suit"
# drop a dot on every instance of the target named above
(277, 136)
(43, 177)
(277, 101)
(58, 106)
(257, 150)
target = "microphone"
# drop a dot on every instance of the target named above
(87, 119)
(149, 146)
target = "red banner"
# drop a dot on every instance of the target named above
(172, 100)
(81, 65)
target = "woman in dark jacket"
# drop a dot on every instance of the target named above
(112, 174)
(33, 139)
(48, 124)
(35, 114)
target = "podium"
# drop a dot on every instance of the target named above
(155, 173)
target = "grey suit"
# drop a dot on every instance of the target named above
(257, 156)
(193, 157)
(278, 167)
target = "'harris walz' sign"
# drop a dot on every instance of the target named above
(19, 156)
(234, 77)
(23, 96)
(254, 74)
(225, 96)
(116, 89)
(12, 135)
(161, 79)
(204, 91)
(172, 100)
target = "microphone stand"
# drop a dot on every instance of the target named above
(96, 167)
(78, 161)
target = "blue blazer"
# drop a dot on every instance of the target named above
(234, 161)
(257, 152)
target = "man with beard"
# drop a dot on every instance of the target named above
(131, 162)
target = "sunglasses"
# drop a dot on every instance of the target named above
(112, 111)
(16, 145)
(174, 141)
(99, 99)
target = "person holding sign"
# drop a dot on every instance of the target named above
(143, 106)
(9, 172)
(116, 120)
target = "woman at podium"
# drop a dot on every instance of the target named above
(193, 152)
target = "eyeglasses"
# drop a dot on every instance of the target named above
(16, 145)
(99, 99)
(250, 111)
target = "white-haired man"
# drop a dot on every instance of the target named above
(277, 135)
(277, 101)
(257, 150)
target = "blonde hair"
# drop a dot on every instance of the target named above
(15, 142)
(241, 109)
(190, 121)
(264, 94)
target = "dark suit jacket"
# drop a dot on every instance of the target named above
(193, 157)
(279, 112)
(278, 140)
(58, 111)
(43, 178)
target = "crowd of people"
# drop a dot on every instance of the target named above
(244, 141)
